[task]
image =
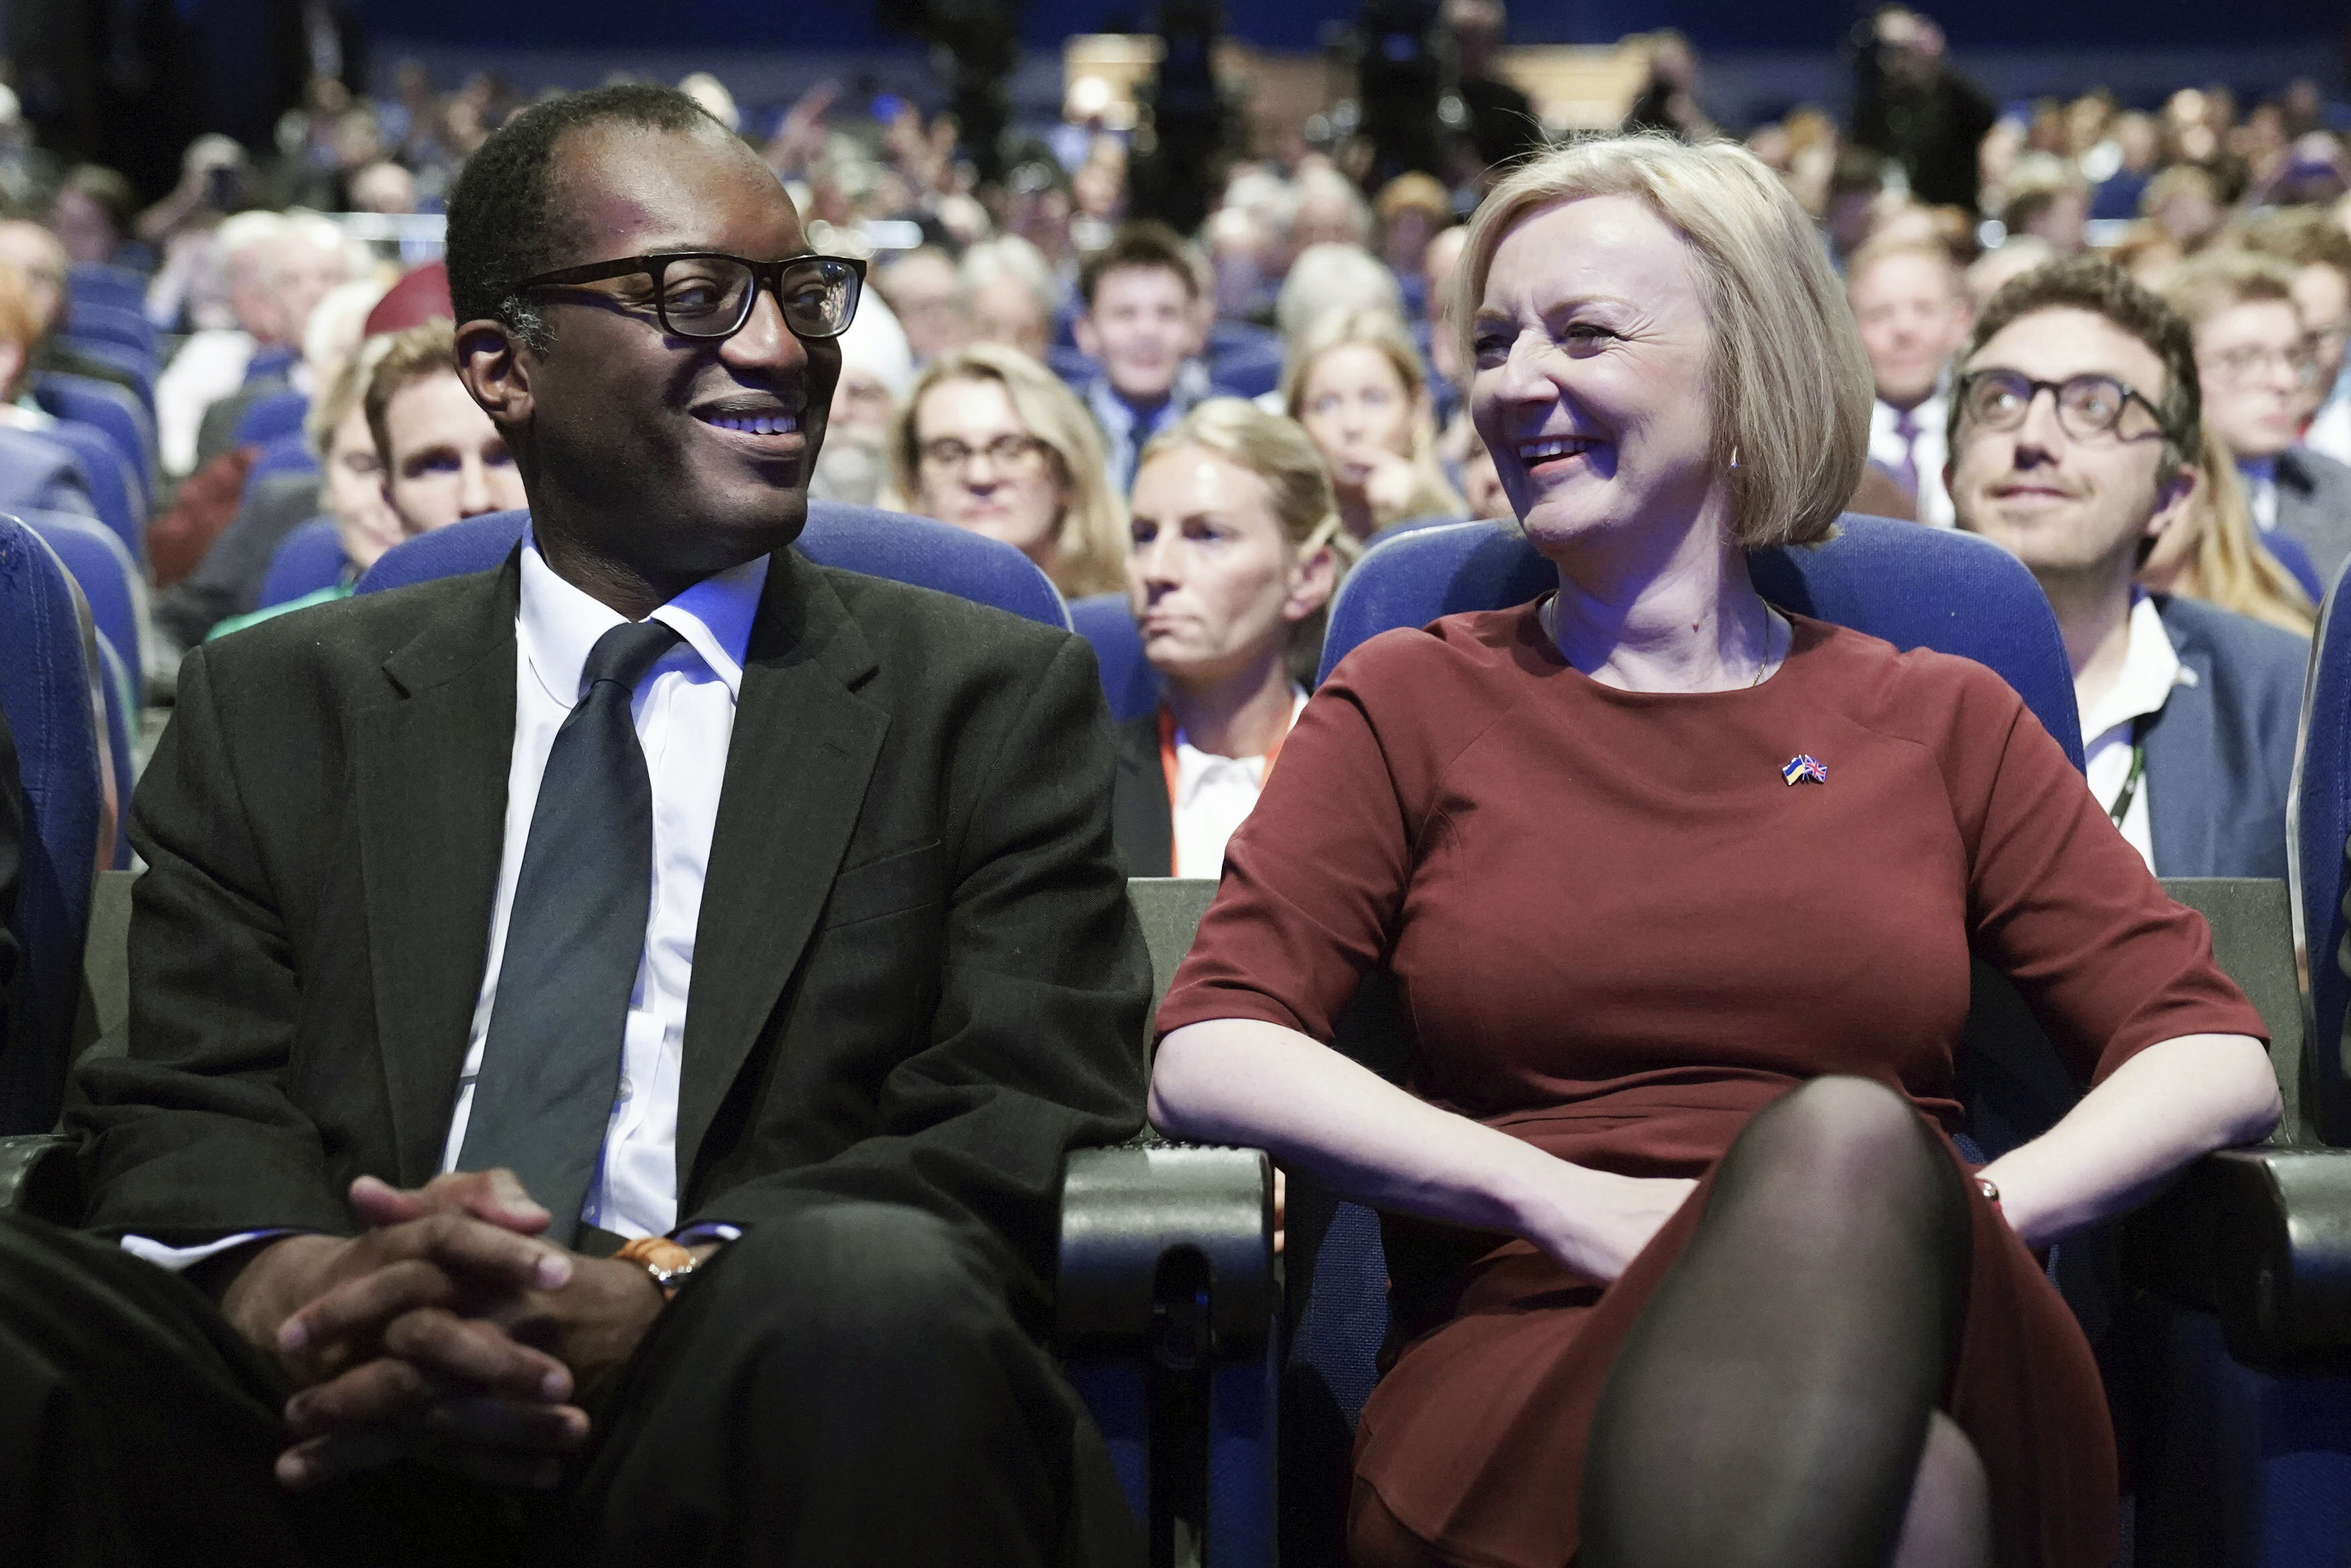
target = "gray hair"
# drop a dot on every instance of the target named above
(1331, 276)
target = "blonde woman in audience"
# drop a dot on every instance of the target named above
(876, 369)
(993, 442)
(1357, 384)
(1235, 551)
(2211, 552)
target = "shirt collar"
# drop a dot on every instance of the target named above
(558, 624)
(2151, 668)
(1195, 768)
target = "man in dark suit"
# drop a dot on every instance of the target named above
(659, 891)
(2074, 430)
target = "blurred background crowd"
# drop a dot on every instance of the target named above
(204, 268)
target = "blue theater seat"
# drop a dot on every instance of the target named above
(127, 422)
(96, 321)
(305, 560)
(2321, 829)
(279, 454)
(892, 544)
(1128, 681)
(97, 282)
(47, 683)
(270, 418)
(114, 487)
(110, 581)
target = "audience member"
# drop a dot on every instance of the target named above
(338, 323)
(1354, 381)
(1669, 101)
(1236, 553)
(1330, 210)
(35, 473)
(1334, 279)
(1412, 210)
(1912, 307)
(2188, 711)
(2014, 258)
(1910, 105)
(992, 442)
(2051, 203)
(928, 296)
(1011, 294)
(2184, 202)
(1143, 322)
(1473, 468)
(833, 1219)
(2258, 375)
(877, 369)
(2319, 250)
(1502, 124)
(91, 214)
(40, 257)
(2211, 552)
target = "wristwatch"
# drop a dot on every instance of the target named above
(665, 1260)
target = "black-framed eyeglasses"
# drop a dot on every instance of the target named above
(2088, 406)
(709, 293)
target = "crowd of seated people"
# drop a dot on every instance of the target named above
(2153, 418)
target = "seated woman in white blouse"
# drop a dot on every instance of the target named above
(1237, 550)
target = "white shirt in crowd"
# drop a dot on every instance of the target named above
(1213, 796)
(2151, 668)
(684, 712)
(2330, 429)
(2259, 474)
(1927, 450)
(210, 365)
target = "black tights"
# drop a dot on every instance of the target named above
(1770, 1406)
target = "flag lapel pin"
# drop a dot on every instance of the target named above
(1803, 766)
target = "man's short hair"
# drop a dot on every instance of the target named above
(2097, 285)
(2204, 285)
(1146, 244)
(503, 225)
(2300, 237)
(416, 355)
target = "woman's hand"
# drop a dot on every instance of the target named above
(1593, 1224)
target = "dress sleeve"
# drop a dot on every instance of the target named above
(2062, 905)
(1315, 877)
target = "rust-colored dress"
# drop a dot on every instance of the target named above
(1620, 933)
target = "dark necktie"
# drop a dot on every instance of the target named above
(1906, 429)
(551, 1062)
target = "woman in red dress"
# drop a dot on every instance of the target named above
(1681, 894)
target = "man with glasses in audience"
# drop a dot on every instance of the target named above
(2074, 439)
(606, 1032)
(2261, 377)
(2318, 249)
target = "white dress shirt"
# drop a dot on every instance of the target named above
(2330, 427)
(1213, 796)
(1928, 449)
(210, 365)
(2151, 668)
(2259, 474)
(684, 712)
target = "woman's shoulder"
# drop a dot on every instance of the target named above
(1917, 694)
(1456, 654)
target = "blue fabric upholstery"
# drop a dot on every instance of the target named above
(915, 550)
(114, 487)
(305, 560)
(2320, 828)
(100, 283)
(114, 686)
(95, 321)
(132, 364)
(1128, 681)
(112, 410)
(1914, 586)
(108, 579)
(268, 418)
(45, 681)
(281, 454)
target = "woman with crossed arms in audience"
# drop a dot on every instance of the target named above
(1681, 892)
(1237, 551)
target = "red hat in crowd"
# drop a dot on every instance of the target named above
(419, 297)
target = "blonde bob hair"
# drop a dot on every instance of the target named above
(1090, 537)
(1791, 388)
(1431, 495)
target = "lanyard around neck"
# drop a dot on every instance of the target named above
(1168, 768)
(2129, 792)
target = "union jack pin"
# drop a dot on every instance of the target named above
(1804, 765)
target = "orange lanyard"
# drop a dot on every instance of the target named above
(1169, 770)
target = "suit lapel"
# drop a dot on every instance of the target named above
(2183, 749)
(432, 787)
(803, 748)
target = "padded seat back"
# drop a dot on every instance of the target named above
(280, 454)
(114, 488)
(1914, 586)
(1128, 681)
(102, 283)
(2319, 831)
(904, 549)
(305, 560)
(271, 418)
(109, 580)
(127, 422)
(46, 688)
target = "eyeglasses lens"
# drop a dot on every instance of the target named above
(709, 297)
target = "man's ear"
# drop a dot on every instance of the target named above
(2172, 499)
(1088, 340)
(494, 367)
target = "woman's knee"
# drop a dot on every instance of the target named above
(1842, 1132)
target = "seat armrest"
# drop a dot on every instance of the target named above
(1169, 1247)
(2262, 1237)
(38, 1176)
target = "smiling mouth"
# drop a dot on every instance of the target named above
(762, 422)
(1553, 449)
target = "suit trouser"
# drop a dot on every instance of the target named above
(843, 1387)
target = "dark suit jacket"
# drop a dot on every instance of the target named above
(917, 978)
(1142, 818)
(2219, 756)
(2313, 505)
